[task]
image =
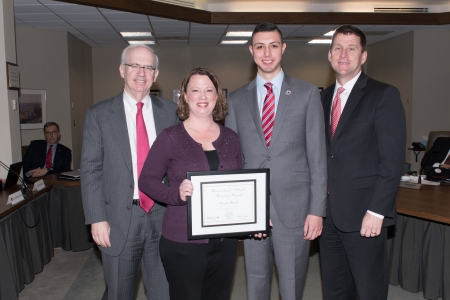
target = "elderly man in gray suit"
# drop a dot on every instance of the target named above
(126, 224)
(279, 121)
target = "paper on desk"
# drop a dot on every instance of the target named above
(415, 179)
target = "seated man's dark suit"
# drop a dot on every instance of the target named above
(35, 158)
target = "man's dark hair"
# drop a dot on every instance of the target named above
(349, 29)
(266, 27)
(50, 124)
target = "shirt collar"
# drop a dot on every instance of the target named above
(130, 103)
(349, 85)
(277, 81)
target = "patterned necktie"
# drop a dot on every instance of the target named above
(336, 112)
(268, 114)
(143, 147)
(48, 158)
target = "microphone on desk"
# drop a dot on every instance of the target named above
(24, 184)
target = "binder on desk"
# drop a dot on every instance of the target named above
(72, 175)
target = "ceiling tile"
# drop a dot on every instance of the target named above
(49, 25)
(90, 24)
(70, 8)
(31, 9)
(130, 23)
(82, 17)
(124, 16)
(37, 17)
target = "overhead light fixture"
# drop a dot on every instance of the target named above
(239, 33)
(135, 34)
(329, 33)
(234, 42)
(141, 42)
(319, 41)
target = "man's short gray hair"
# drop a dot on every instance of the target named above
(125, 51)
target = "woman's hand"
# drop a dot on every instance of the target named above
(186, 189)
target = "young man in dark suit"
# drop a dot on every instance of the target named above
(366, 138)
(47, 156)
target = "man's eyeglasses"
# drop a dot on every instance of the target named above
(136, 67)
(51, 132)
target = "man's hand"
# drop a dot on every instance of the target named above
(262, 235)
(313, 227)
(100, 233)
(371, 225)
(38, 172)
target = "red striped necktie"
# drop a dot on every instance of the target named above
(336, 112)
(268, 114)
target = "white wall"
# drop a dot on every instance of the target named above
(233, 65)
(43, 60)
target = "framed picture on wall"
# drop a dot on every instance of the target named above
(175, 95)
(32, 109)
(13, 76)
(156, 93)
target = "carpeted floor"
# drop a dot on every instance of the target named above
(79, 276)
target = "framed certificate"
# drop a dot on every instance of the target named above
(228, 203)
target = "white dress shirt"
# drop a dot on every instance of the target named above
(130, 112)
(344, 97)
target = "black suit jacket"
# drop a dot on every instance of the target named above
(37, 152)
(367, 154)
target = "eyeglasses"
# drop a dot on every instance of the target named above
(136, 67)
(51, 132)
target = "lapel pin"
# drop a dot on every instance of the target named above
(288, 92)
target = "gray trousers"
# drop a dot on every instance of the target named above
(289, 250)
(141, 250)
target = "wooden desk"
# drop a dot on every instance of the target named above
(4, 194)
(66, 214)
(430, 203)
(419, 251)
(53, 179)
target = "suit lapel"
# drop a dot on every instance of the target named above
(252, 101)
(158, 117)
(283, 103)
(327, 101)
(352, 101)
(119, 128)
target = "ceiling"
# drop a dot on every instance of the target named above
(101, 27)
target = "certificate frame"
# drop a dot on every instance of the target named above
(229, 203)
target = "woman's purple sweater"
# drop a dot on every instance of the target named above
(174, 153)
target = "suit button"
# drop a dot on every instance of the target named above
(131, 186)
(269, 158)
(128, 207)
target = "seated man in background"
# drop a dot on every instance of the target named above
(438, 155)
(47, 156)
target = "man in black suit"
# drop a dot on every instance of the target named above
(366, 137)
(47, 156)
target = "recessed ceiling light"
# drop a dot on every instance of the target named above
(329, 33)
(141, 42)
(234, 42)
(239, 33)
(136, 34)
(318, 41)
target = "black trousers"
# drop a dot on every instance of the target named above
(199, 271)
(353, 265)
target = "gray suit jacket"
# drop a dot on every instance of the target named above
(367, 154)
(106, 167)
(297, 155)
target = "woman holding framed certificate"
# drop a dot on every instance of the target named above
(200, 268)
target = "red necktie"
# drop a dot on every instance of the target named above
(48, 158)
(143, 147)
(336, 112)
(268, 114)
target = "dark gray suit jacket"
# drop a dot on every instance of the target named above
(367, 154)
(107, 182)
(297, 155)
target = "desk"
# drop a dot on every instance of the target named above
(66, 214)
(25, 240)
(419, 254)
